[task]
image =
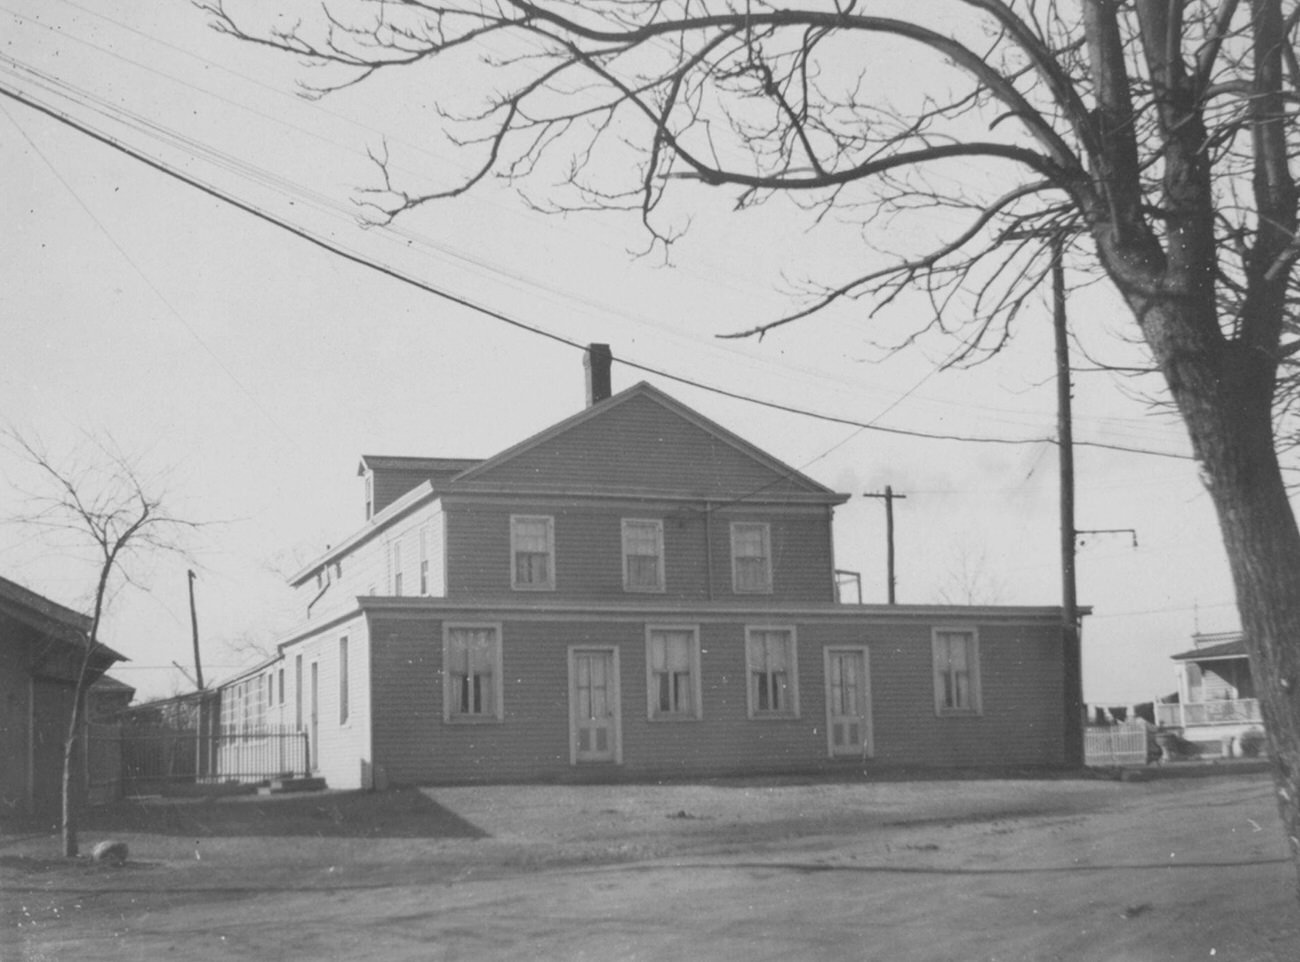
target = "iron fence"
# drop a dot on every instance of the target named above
(159, 760)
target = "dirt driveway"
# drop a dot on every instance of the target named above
(1173, 869)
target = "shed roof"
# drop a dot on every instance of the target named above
(1226, 649)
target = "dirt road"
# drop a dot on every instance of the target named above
(975, 870)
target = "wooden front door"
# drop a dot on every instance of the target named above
(848, 702)
(594, 730)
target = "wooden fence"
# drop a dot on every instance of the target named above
(1127, 743)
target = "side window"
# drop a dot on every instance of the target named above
(643, 555)
(424, 561)
(397, 568)
(343, 681)
(532, 550)
(471, 673)
(956, 672)
(673, 672)
(751, 557)
(771, 666)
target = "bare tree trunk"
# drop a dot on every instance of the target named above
(1225, 397)
(69, 820)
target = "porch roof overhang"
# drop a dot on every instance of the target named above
(1225, 650)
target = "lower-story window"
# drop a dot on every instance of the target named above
(673, 672)
(956, 671)
(472, 673)
(772, 668)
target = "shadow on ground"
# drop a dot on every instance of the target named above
(401, 813)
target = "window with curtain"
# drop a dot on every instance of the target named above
(956, 672)
(751, 561)
(532, 546)
(673, 668)
(472, 660)
(643, 555)
(771, 668)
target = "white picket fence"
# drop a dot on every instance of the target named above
(1122, 744)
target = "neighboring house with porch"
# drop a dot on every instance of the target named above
(1216, 703)
(43, 646)
(634, 592)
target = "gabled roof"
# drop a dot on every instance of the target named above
(49, 617)
(1225, 649)
(794, 481)
(434, 467)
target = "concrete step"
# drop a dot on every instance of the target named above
(281, 786)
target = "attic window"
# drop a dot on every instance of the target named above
(370, 495)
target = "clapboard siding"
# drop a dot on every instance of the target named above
(1022, 698)
(640, 443)
(1020, 725)
(343, 746)
(589, 546)
(368, 568)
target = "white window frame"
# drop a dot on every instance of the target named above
(766, 530)
(696, 708)
(939, 635)
(549, 583)
(792, 684)
(450, 713)
(658, 526)
(424, 560)
(395, 567)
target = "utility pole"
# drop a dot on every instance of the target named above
(888, 497)
(1072, 661)
(194, 627)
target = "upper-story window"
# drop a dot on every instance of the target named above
(424, 561)
(643, 555)
(956, 672)
(370, 495)
(751, 557)
(532, 550)
(397, 568)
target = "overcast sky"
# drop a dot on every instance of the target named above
(252, 369)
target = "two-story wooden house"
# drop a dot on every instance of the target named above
(634, 592)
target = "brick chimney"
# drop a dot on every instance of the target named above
(596, 362)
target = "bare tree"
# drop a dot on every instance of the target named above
(970, 579)
(96, 506)
(1155, 140)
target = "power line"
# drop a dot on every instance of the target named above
(394, 273)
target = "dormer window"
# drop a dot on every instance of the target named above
(532, 549)
(370, 495)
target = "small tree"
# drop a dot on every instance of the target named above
(94, 504)
(1154, 140)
